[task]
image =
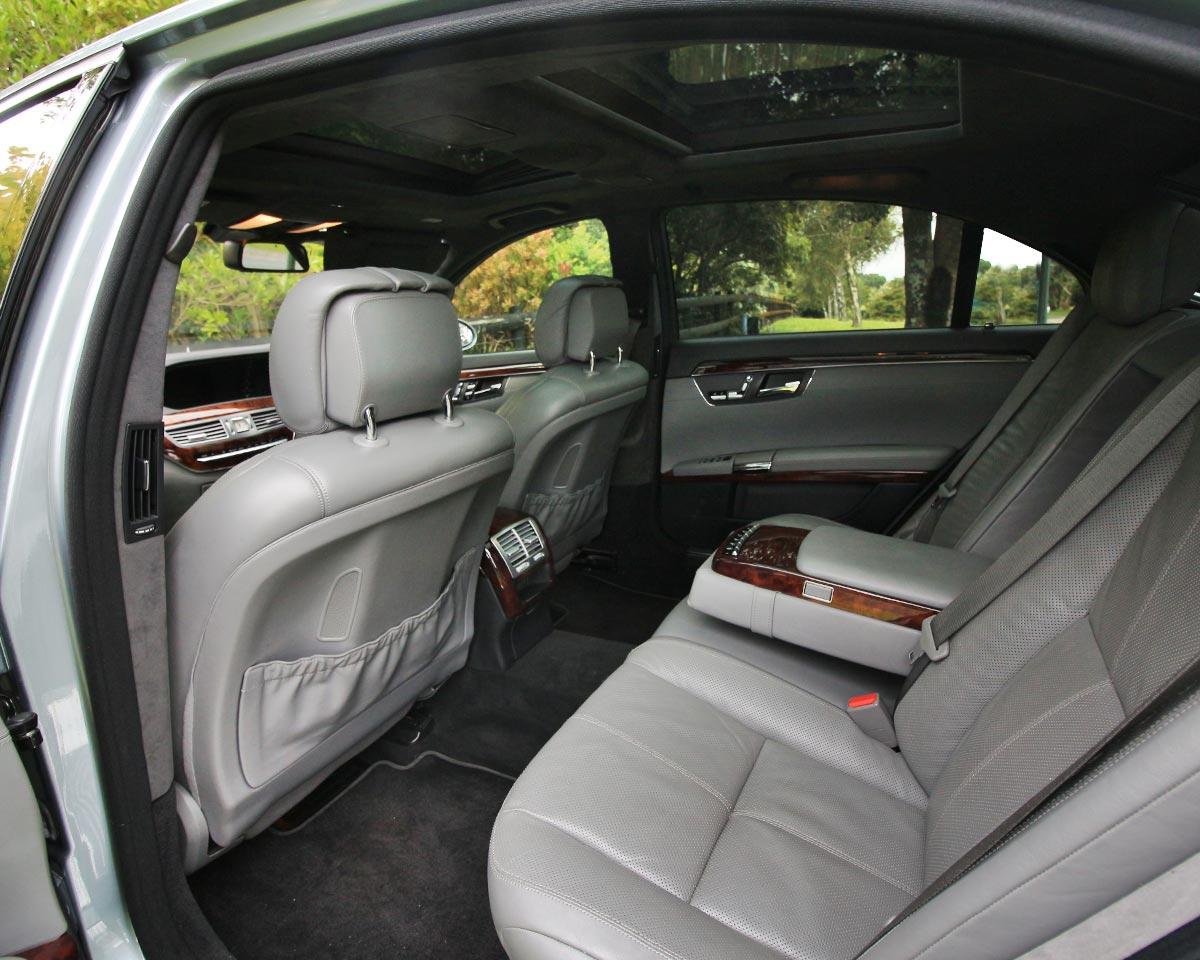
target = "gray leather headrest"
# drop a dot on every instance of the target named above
(580, 316)
(346, 339)
(1148, 263)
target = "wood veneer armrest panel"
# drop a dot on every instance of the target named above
(767, 559)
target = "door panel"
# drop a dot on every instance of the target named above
(752, 428)
(29, 912)
(487, 381)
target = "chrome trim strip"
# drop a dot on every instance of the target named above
(239, 453)
(811, 365)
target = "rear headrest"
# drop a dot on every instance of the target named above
(346, 339)
(1148, 263)
(580, 316)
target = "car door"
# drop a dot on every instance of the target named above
(47, 126)
(834, 358)
(30, 915)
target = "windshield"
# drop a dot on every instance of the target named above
(215, 306)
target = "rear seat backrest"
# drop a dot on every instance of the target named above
(1062, 656)
(1147, 267)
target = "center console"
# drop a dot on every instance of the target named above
(517, 568)
(855, 595)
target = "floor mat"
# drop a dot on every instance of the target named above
(599, 608)
(500, 720)
(396, 866)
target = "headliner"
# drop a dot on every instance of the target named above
(1049, 160)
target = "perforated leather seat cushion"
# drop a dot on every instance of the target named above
(687, 778)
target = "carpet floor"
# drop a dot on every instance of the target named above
(501, 720)
(395, 867)
(598, 608)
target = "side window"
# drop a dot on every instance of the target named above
(809, 266)
(500, 297)
(1019, 285)
(219, 306)
(31, 141)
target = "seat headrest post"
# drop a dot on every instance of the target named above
(1148, 263)
(369, 338)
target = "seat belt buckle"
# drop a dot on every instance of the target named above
(929, 645)
(944, 492)
(871, 717)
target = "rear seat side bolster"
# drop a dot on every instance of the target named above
(1129, 822)
(1077, 436)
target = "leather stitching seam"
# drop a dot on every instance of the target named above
(1025, 729)
(515, 880)
(313, 480)
(699, 781)
(890, 790)
(556, 825)
(725, 825)
(830, 849)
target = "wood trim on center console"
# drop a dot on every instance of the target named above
(210, 456)
(514, 593)
(766, 558)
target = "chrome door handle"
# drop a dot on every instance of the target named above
(790, 387)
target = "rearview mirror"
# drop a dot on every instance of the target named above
(261, 256)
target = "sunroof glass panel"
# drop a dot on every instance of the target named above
(743, 89)
(464, 159)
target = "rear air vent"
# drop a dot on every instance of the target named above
(142, 479)
(521, 545)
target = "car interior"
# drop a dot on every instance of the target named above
(715, 489)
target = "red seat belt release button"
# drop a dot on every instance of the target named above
(872, 718)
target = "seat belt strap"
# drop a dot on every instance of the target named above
(1045, 361)
(1177, 688)
(1166, 408)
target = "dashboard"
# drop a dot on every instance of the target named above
(218, 411)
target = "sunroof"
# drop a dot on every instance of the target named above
(725, 95)
(463, 158)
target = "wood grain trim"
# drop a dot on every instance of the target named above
(510, 370)
(804, 476)
(227, 450)
(758, 364)
(767, 559)
(514, 593)
(175, 418)
(495, 571)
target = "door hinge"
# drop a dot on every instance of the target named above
(22, 724)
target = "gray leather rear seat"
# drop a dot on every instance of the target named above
(1109, 354)
(715, 803)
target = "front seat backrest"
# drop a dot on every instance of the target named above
(568, 425)
(317, 589)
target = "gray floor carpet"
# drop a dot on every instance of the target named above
(501, 720)
(395, 867)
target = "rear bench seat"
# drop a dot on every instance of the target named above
(1107, 357)
(713, 799)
